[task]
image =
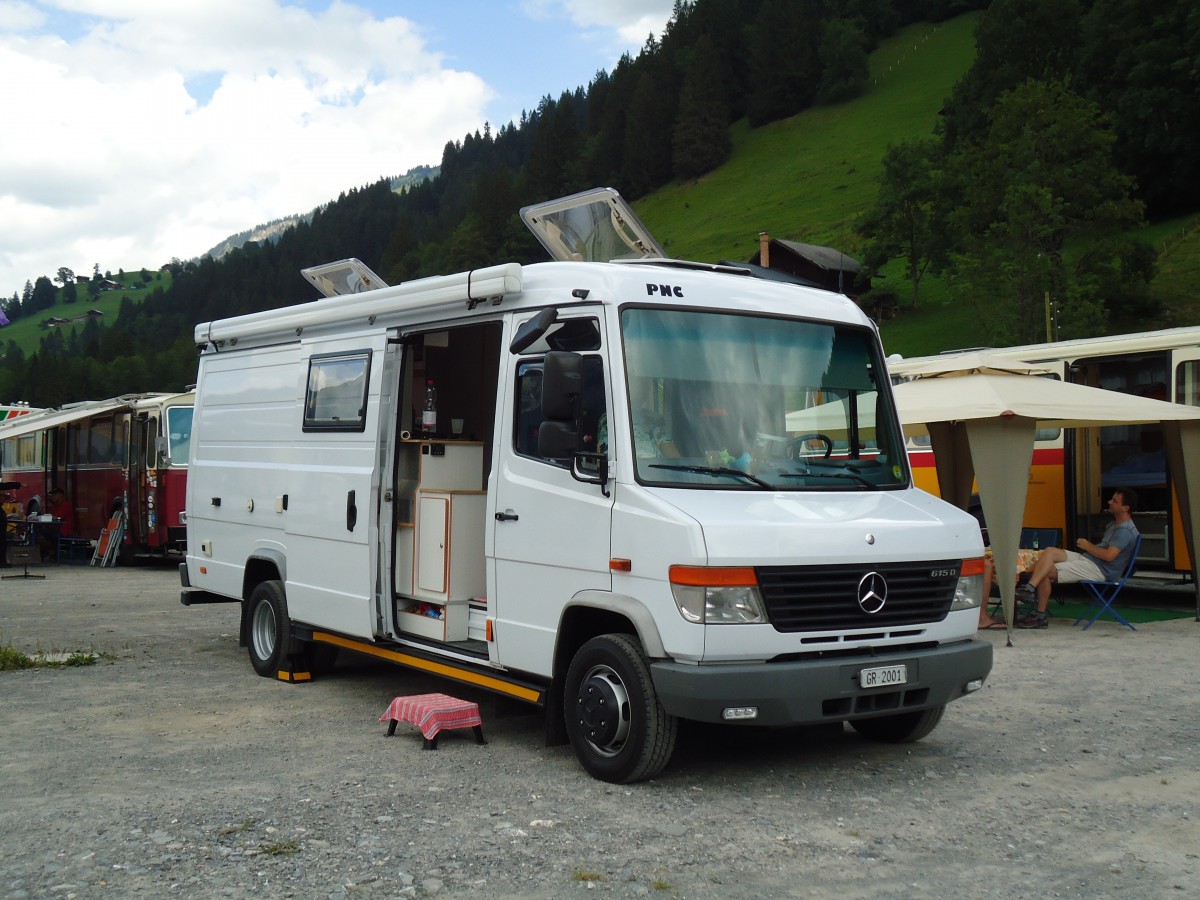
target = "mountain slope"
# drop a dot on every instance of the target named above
(810, 177)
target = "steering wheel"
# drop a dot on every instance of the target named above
(792, 447)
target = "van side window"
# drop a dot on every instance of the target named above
(336, 399)
(590, 420)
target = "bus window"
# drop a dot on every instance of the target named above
(101, 447)
(77, 453)
(1187, 383)
(179, 433)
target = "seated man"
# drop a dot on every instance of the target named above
(1104, 561)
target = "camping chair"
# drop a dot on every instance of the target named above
(1105, 592)
(109, 543)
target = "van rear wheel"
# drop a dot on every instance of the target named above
(617, 727)
(903, 728)
(269, 628)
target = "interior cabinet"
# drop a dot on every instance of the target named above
(439, 537)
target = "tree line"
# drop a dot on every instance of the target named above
(1074, 124)
(1058, 100)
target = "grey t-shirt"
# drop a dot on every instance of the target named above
(1121, 535)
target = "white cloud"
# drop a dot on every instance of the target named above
(17, 16)
(139, 130)
(632, 20)
(107, 157)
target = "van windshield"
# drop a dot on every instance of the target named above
(722, 400)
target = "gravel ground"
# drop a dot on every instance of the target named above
(170, 769)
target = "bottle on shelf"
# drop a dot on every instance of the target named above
(429, 411)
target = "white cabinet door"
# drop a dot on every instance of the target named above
(433, 517)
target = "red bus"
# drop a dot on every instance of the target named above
(129, 453)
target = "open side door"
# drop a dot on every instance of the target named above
(332, 500)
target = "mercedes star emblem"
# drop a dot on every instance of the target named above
(872, 593)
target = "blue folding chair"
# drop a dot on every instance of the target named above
(1105, 592)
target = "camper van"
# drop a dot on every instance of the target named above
(629, 492)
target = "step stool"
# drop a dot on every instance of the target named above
(433, 713)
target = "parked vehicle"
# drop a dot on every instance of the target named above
(9, 412)
(126, 454)
(606, 514)
(1075, 471)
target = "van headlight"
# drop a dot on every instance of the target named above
(714, 595)
(968, 593)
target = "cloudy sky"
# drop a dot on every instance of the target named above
(133, 131)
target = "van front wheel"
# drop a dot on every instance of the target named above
(269, 627)
(617, 727)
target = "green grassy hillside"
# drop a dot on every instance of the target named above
(28, 332)
(810, 177)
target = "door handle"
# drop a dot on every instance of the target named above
(507, 516)
(351, 511)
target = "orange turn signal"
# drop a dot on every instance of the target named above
(714, 576)
(972, 566)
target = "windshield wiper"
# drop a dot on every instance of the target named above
(716, 470)
(847, 475)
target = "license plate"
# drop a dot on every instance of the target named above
(884, 676)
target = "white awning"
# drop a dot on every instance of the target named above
(48, 418)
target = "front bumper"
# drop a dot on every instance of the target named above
(808, 692)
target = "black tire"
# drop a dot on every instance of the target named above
(619, 730)
(903, 728)
(268, 629)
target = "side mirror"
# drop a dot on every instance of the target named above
(529, 333)
(562, 383)
(162, 448)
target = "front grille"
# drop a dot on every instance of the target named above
(825, 598)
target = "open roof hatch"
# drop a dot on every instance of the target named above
(591, 226)
(346, 276)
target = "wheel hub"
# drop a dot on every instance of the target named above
(263, 630)
(602, 707)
